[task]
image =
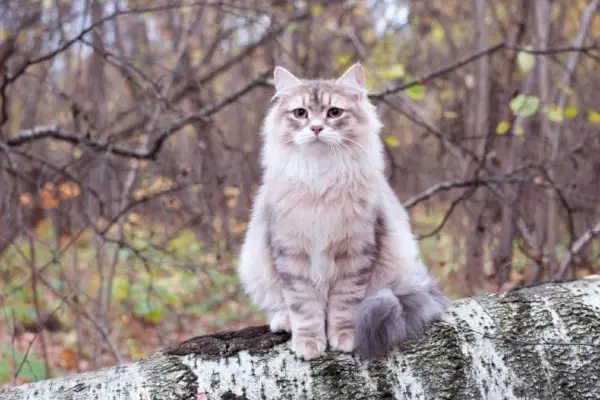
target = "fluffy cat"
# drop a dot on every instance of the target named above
(329, 254)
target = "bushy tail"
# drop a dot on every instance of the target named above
(385, 319)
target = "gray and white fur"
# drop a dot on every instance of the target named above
(329, 254)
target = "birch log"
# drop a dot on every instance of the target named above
(541, 342)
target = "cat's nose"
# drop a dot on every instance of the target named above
(316, 129)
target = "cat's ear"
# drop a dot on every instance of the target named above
(355, 76)
(284, 79)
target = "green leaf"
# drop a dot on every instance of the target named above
(416, 92)
(33, 368)
(149, 310)
(391, 141)
(137, 60)
(292, 27)
(525, 61)
(571, 112)
(502, 127)
(394, 72)
(553, 112)
(593, 116)
(120, 289)
(124, 254)
(524, 106)
(316, 10)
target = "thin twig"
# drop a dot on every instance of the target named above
(577, 246)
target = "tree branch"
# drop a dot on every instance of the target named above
(475, 56)
(58, 133)
(577, 246)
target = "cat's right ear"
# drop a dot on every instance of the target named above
(284, 79)
(354, 76)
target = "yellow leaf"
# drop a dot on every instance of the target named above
(502, 128)
(231, 191)
(232, 202)
(571, 112)
(196, 54)
(391, 141)
(133, 217)
(437, 32)
(209, 258)
(316, 10)
(450, 114)
(394, 72)
(593, 116)
(3, 33)
(553, 112)
(344, 59)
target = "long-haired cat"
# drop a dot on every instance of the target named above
(329, 253)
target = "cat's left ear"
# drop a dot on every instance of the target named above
(284, 79)
(355, 76)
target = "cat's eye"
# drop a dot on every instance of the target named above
(300, 113)
(334, 112)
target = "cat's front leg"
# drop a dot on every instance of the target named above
(306, 306)
(257, 270)
(345, 296)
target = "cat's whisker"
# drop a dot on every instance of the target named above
(339, 152)
(354, 156)
(358, 144)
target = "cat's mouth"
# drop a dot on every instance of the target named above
(320, 143)
(317, 142)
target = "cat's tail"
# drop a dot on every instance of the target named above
(385, 319)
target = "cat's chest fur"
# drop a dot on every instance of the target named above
(322, 222)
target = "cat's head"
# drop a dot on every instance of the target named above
(322, 117)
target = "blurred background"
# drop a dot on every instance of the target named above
(129, 143)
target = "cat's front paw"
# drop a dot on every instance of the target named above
(343, 340)
(280, 322)
(308, 348)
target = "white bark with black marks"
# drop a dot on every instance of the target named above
(541, 342)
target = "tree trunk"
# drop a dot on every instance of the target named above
(541, 342)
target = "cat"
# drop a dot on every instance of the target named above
(329, 254)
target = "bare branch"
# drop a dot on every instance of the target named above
(57, 133)
(577, 246)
